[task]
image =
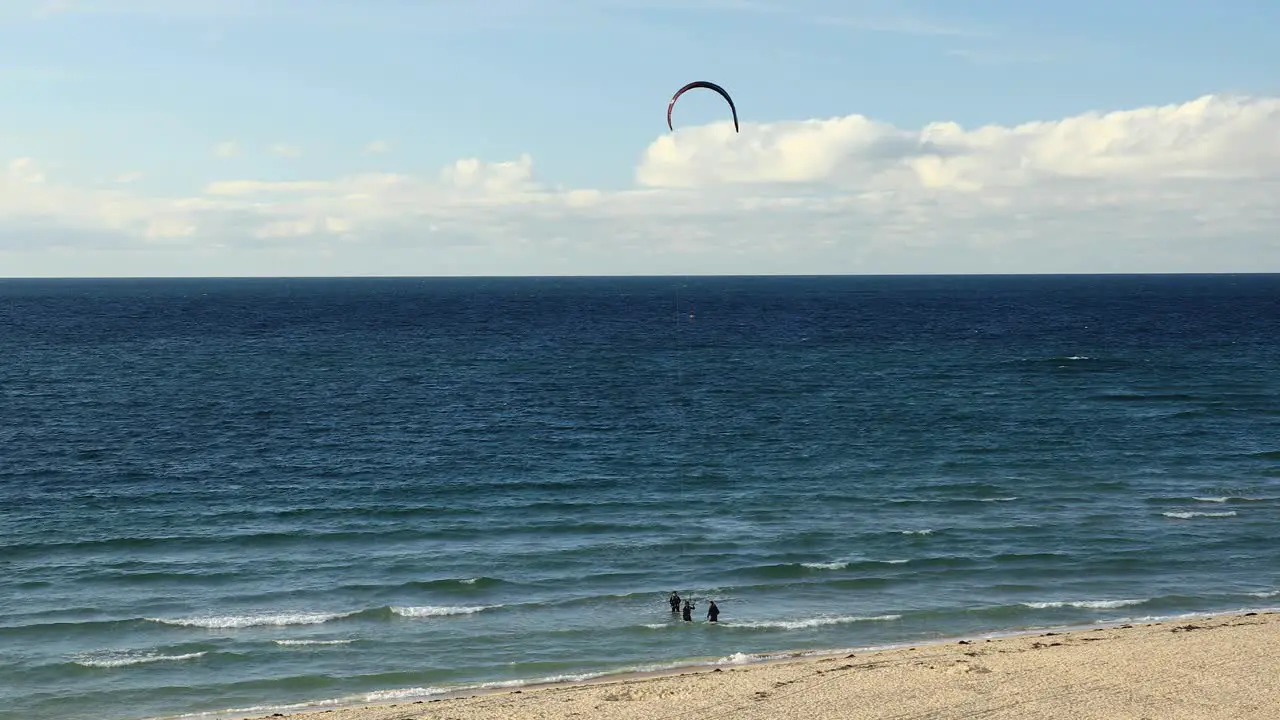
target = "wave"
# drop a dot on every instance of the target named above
(313, 642)
(125, 659)
(286, 619)
(825, 565)
(1217, 499)
(250, 539)
(397, 695)
(1189, 515)
(440, 611)
(949, 500)
(158, 577)
(231, 622)
(802, 569)
(1087, 604)
(806, 623)
(456, 585)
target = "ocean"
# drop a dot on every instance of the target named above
(244, 496)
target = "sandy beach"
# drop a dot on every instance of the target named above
(1224, 666)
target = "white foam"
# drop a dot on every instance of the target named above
(826, 565)
(1228, 498)
(125, 659)
(381, 696)
(1000, 499)
(926, 531)
(1189, 515)
(1265, 593)
(810, 622)
(313, 642)
(1087, 604)
(225, 622)
(543, 680)
(439, 611)
(470, 581)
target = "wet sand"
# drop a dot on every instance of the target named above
(1202, 668)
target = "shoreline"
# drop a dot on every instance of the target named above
(469, 701)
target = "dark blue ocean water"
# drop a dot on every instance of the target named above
(236, 495)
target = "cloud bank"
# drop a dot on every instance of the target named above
(1191, 187)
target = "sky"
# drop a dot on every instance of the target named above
(528, 137)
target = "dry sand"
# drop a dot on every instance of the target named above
(1225, 666)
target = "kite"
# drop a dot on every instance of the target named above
(709, 86)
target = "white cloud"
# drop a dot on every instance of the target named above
(227, 149)
(377, 147)
(259, 187)
(1211, 137)
(499, 178)
(285, 150)
(1190, 187)
(129, 177)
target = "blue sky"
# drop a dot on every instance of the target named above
(92, 90)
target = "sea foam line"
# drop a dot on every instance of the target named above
(440, 611)
(809, 622)
(825, 565)
(1189, 515)
(226, 622)
(843, 564)
(313, 642)
(1087, 604)
(125, 659)
(1227, 498)
(734, 659)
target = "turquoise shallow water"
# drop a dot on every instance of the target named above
(237, 495)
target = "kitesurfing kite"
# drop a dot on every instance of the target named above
(709, 86)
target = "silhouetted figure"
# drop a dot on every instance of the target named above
(688, 611)
(674, 600)
(713, 612)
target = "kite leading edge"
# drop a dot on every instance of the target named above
(710, 86)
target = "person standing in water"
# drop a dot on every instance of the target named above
(713, 612)
(674, 600)
(688, 611)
